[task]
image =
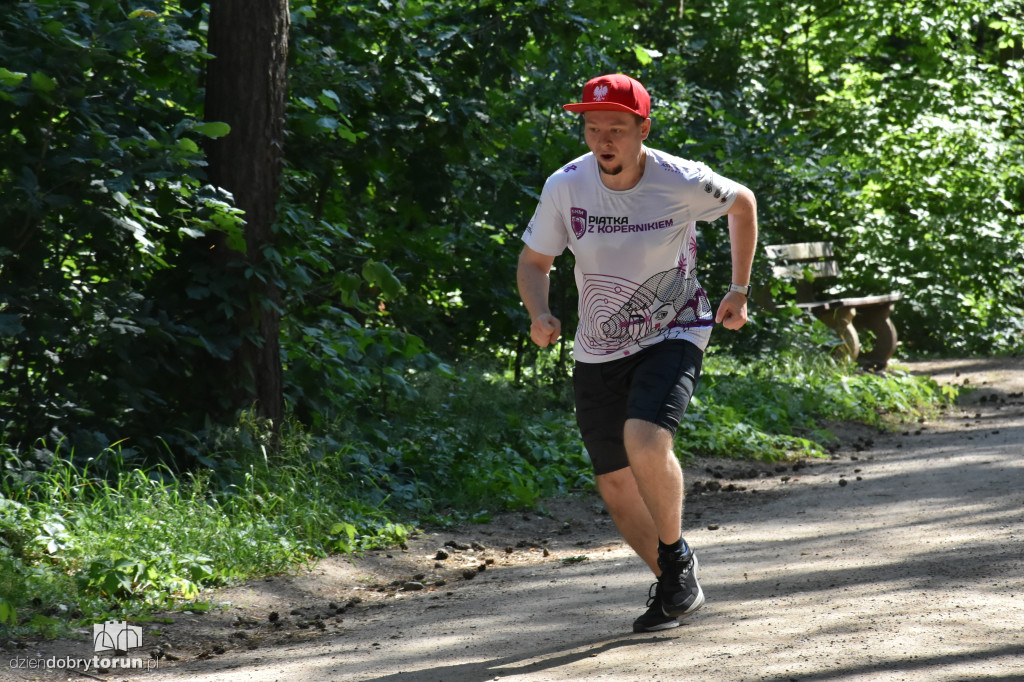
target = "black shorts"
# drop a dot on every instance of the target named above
(654, 385)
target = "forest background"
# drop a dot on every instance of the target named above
(257, 260)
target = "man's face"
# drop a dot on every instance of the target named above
(615, 138)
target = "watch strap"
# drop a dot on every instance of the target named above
(740, 289)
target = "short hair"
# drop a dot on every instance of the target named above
(637, 117)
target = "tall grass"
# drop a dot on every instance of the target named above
(78, 547)
(83, 542)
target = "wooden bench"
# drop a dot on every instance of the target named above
(804, 264)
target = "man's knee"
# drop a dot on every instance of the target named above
(644, 437)
(618, 487)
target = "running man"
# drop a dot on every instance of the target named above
(628, 212)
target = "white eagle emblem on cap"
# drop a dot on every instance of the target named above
(600, 92)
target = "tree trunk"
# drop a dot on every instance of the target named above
(246, 87)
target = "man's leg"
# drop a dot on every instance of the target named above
(634, 522)
(627, 411)
(628, 511)
(649, 489)
(659, 478)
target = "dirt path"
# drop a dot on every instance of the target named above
(900, 558)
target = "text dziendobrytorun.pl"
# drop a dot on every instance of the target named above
(83, 664)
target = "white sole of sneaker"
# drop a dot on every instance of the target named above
(697, 603)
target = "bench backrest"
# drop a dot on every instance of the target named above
(789, 261)
(792, 261)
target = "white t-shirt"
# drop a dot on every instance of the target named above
(636, 250)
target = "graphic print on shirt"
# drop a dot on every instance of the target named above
(635, 251)
(621, 314)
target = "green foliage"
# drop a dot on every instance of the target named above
(474, 442)
(101, 174)
(78, 546)
(932, 105)
(774, 408)
(341, 353)
(419, 135)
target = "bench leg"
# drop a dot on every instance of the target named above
(840, 320)
(875, 318)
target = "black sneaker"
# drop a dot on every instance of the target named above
(654, 618)
(680, 592)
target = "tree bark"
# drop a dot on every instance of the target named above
(246, 87)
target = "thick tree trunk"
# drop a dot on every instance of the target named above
(246, 87)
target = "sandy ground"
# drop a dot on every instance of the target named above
(901, 557)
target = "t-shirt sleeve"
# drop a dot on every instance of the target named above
(712, 194)
(546, 232)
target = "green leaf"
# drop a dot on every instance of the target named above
(328, 123)
(330, 99)
(213, 129)
(42, 82)
(380, 275)
(645, 56)
(11, 78)
(41, 621)
(7, 613)
(346, 528)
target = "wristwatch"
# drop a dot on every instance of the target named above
(740, 289)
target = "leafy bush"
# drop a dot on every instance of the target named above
(101, 174)
(774, 408)
(405, 191)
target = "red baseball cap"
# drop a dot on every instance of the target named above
(614, 92)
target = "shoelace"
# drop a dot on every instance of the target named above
(652, 594)
(687, 567)
(673, 581)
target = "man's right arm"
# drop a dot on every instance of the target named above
(534, 285)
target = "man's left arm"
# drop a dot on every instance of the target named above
(732, 311)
